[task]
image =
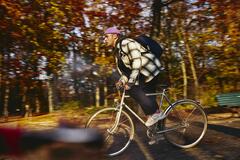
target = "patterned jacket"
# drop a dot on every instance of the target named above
(138, 60)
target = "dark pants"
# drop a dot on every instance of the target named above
(148, 103)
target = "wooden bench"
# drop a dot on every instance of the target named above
(228, 99)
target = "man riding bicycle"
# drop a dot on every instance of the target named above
(139, 72)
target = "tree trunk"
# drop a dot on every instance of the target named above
(97, 95)
(6, 99)
(191, 61)
(105, 95)
(1, 66)
(157, 6)
(184, 74)
(156, 19)
(183, 68)
(50, 96)
(5, 80)
(37, 105)
(194, 73)
(75, 75)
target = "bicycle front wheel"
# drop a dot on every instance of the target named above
(116, 137)
(185, 124)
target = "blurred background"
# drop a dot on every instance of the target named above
(52, 54)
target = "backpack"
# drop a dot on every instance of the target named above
(148, 43)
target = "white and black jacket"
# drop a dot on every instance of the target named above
(137, 60)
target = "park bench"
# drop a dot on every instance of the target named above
(228, 99)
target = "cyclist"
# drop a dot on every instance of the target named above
(139, 72)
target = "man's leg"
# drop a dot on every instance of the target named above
(147, 103)
(150, 87)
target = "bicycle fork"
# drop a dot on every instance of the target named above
(115, 125)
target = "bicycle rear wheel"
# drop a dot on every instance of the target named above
(186, 123)
(116, 139)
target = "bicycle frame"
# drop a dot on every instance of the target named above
(122, 104)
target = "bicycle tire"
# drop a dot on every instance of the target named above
(119, 140)
(186, 122)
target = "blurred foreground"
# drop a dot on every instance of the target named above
(49, 137)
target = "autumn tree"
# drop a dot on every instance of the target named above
(33, 39)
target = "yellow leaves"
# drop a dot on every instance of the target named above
(35, 43)
(230, 49)
(105, 63)
(54, 4)
(103, 60)
(56, 13)
(55, 60)
(227, 18)
(68, 7)
(30, 30)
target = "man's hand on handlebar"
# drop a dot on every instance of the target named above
(121, 85)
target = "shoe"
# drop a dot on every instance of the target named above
(154, 119)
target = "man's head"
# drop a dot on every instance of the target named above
(111, 35)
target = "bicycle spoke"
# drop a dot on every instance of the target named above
(190, 113)
(197, 117)
(178, 116)
(122, 121)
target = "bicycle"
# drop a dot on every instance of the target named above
(184, 125)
